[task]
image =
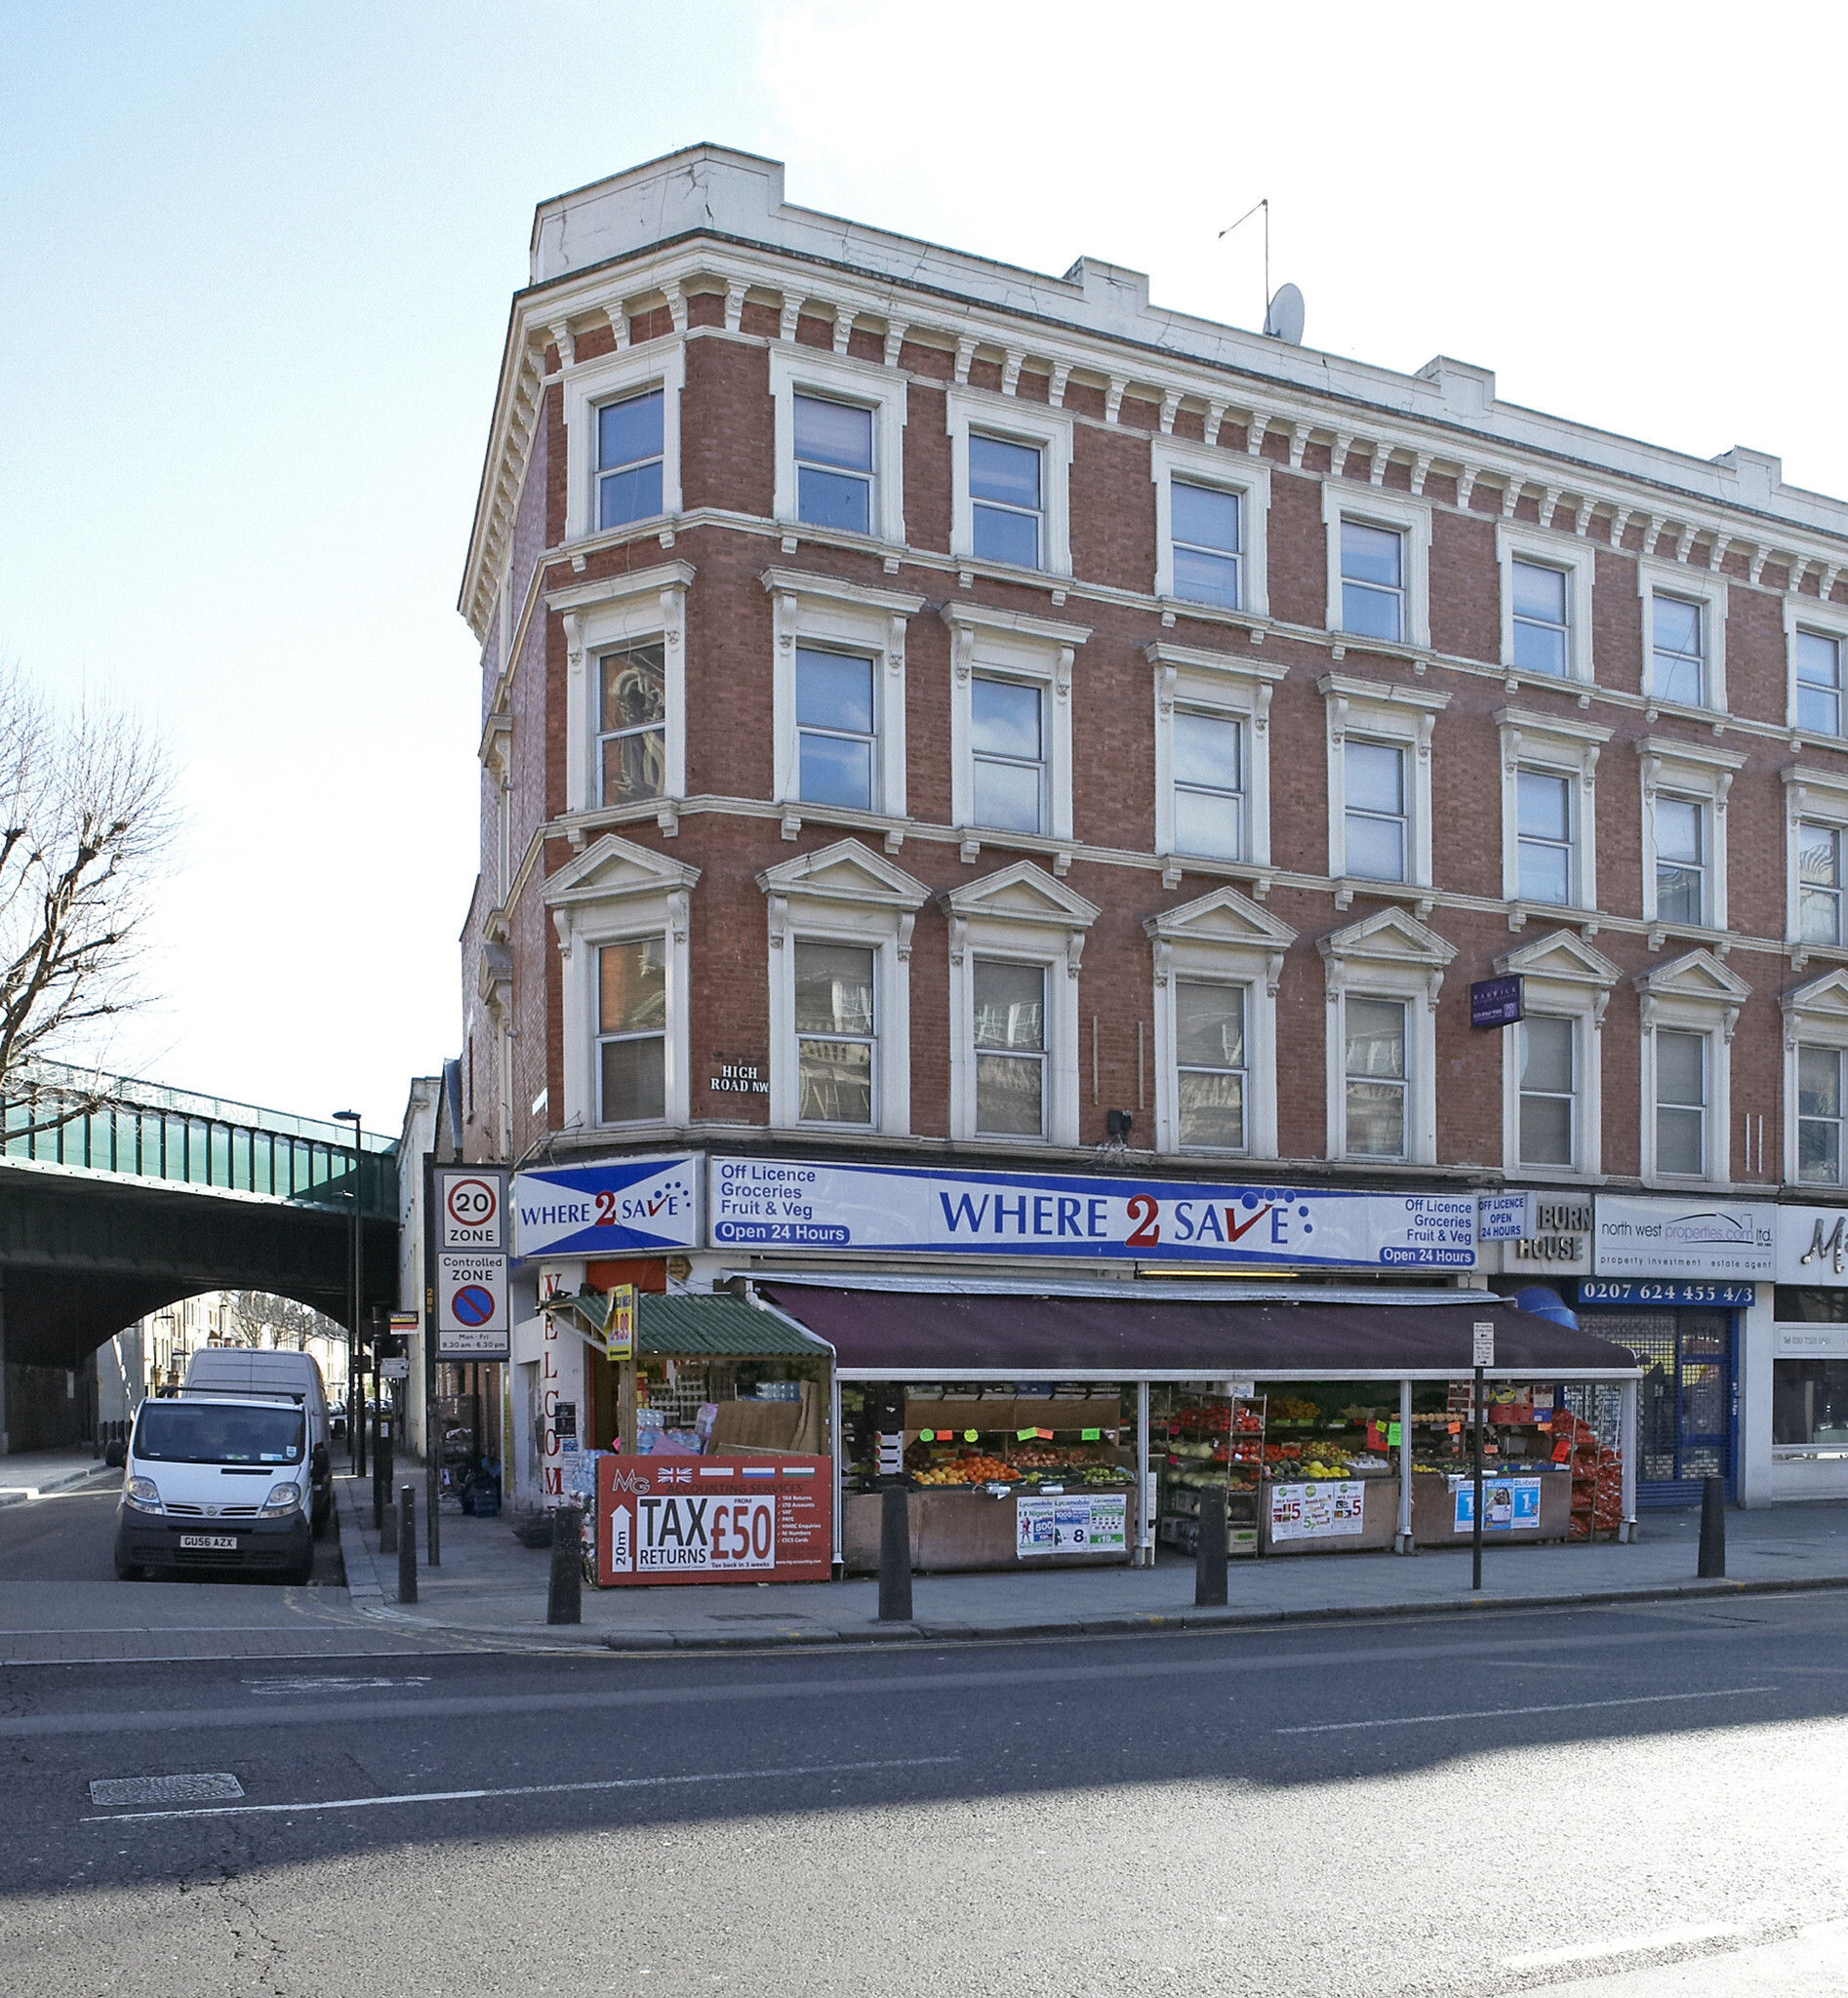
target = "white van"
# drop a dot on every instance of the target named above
(217, 1481)
(290, 1376)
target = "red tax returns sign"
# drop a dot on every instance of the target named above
(713, 1519)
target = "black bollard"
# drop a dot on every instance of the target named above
(1712, 1529)
(1209, 1561)
(564, 1601)
(407, 1543)
(895, 1556)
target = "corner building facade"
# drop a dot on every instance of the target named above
(931, 711)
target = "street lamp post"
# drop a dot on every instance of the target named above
(355, 1416)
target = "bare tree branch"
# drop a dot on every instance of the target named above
(87, 824)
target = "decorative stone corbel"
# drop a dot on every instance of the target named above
(1728, 1022)
(965, 356)
(1511, 489)
(1425, 723)
(1722, 785)
(1652, 533)
(1716, 554)
(1759, 557)
(1273, 973)
(561, 922)
(896, 330)
(791, 825)
(676, 303)
(1164, 960)
(843, 327)
(787, 317)
(734, 289)
(1795, 575)
(1113, 397)
(1381, 457)
(667, 818)
(574, 642)
(1299, 444)
(962, 651)
(1255, 433)
(1589, 771)
(1434, 983)
(616, 311)
(1652, 777)
(1167, 683)
(1062, 672)
(1338, 453)
(1826, 589)
(895, 648)
(908, 921)
(1420, 471)
(566, 346)
(1620, 525)
(1074, 951)
(1261, 703)
(1337, 720)
(1581, 520)
(778, 906)
(1684, 541)
(1650, 1007)
(1465, 485)
(1510, 751)
(958, 939)
(787, 614)
(1215, 417)
(1170, 408)
(1548, 503)
(1056, 393)
(1011, 360)
(679, 913)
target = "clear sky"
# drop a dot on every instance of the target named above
(255, 264)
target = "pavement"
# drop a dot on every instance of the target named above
(489, 1586)
(30, 1474)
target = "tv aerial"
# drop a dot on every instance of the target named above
(1283, 308)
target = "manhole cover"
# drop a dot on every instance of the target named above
(163, 1789)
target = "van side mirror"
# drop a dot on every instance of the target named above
(116, 1456)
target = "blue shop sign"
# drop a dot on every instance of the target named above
(1604, 1290)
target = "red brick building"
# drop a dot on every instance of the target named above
(929, 707)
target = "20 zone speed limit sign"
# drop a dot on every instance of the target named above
(473, 1208)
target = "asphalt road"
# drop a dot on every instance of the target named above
(1476, 1804)
(70, 1536)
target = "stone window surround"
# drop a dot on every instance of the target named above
(1667, 1001)
(1692, 585)
(1686, 770)
(1230, 471)
(838, 616)
(1561, 749)
(1561, 979)
(600, 616)
(1015, 646)
(1811, 797)
(1226, 684)
(803, 370)
(1049, 430)
(1380, 711)
(1052, 935)
(1409, 518)
(1815, 1016)
(1577, 560)
(1827, 620)
(1355, 966)
(588, 386)
(1186, 945)
(808, 901)
(649, 898)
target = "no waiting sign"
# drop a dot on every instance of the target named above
(471, 1306)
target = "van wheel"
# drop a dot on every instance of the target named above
(301, 1575)
(317, 1526)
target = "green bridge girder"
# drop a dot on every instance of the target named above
(150, 1196)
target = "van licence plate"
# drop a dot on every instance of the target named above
(214, 1542)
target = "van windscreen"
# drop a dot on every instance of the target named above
(212, 1432)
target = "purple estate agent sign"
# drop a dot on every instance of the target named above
(1494, 1002)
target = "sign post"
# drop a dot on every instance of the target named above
(1484, 1357)
(466, 1286)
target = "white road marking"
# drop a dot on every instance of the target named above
(1623, 1945)
(621, 1782)
(1495, 1713)
(326, 1685)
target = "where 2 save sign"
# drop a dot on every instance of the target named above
(469, 1206)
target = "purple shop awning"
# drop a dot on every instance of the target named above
(935, 1335)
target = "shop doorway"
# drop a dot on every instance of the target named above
(1685, 1413)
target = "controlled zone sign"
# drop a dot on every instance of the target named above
(471, 1306)
(713, 1519)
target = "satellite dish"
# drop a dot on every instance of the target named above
(1284, 319)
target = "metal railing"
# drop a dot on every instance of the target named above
(112, 1124)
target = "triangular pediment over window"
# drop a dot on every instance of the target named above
(1022, 893)
(1820, 999)
(614, 870)
(1389, 937)
(1222, 917)
(1564, 957)
(847, 872)
(1699, 976)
